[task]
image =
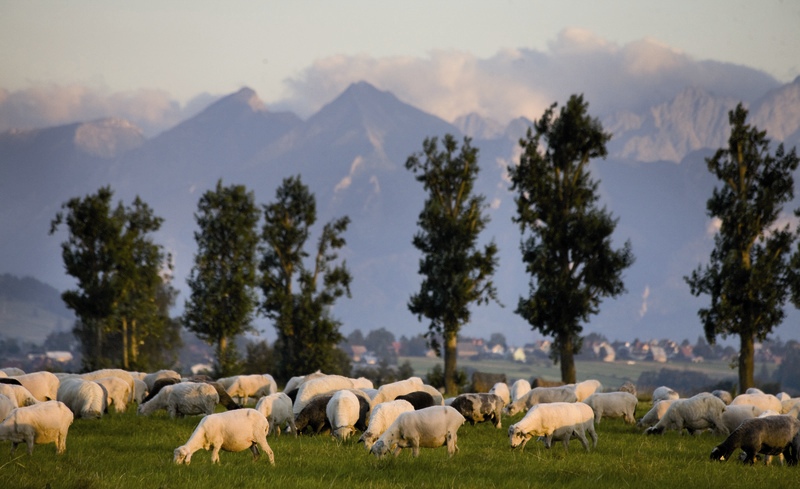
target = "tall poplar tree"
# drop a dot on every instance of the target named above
(456, 271)
(566, 245)
(223, 278)
(751, 271)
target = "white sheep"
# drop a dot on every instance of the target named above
(255, 385)
(150, 379)
(298, 380)
(697, 413)
(44, 422)
(554, 421)
(586, 388)
(664, 393)
(6, 405)
(770, 435)
(613, 405)
(85, 398)
(783, 396)
(12, 371)
(791, 406)
(117, 392)
(183, 399)
(519, 388)
(232, 431)
(321, 385)
(501, 390)
(430, 427)
(139, 390)
(388, 392)
(724, 395)
(42, 385)
(762, 401)
(342, 411)
(277, 408)
(112, 372)
(20, 395)
(381, 417)
(655, 413)
(539, 395)
(733, 416)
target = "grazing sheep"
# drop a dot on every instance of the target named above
(159, 384)
(586, 388)
(783, 396)
(438, 398)
(613, 405)
(762, 401)
(321, 385)
(418, 399)
(182, 399)
(139, 390)
(232, 431)
(342, 411)
(724, 395)
(628, 387)
(112, 372)
(697, 413)
(314, 415)
(431, 427)
(244, 387)
(664, 393)
(500, 389)
(277, 408)
(85, 398)
(151, 378)
(12, 371)
(479, 407)
(297, 381)
(791, 407)
(18, 394)
(117, 393)
(754, 390)
(734, 415)
(6, 405)
(381, 417)
(519, 388)
(42, 385)
(540, 395)
(655, 413)
(44, 422)
(390, 391)
(770, 435)
(554, 421)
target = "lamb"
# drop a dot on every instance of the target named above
(555, 421)
(762, 401)
(232, 431)
(381, 417)
(519, 388)
(696, 413)
(44, 422)
(277, 408)
(390, 391)
(500, 389)
(314, 415)
(479, 407)
(770, 435)
(664, 393)
(418, 399)
(85, 398)
(586, 388)
(613, 405)
(151, 378)
(343, 412)
(655, 413)
(734, 415)
(183, 399)
(539, 395)
(18, 394)
(42, 385)
(117, 393)
(431, 427)
(255, 385)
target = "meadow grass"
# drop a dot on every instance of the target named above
(126, 450)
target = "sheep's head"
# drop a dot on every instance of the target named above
(512, 409)
(368, 439)
(182, 455)
(379, 449)
(516, 437)
(718, 454)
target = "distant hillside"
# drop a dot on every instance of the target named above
(30, 310)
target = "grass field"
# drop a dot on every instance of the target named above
(130, 451)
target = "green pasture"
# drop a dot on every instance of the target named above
(130, 451)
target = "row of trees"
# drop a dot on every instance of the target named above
(566, 247)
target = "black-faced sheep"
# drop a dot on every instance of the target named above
(232, 431)
(479, 407)
(770, 435)
(314, 416)
(418, 399)
(554, 421)
(431, 427)
(44, 422)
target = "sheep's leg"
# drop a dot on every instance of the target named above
(548, 441)
(215, 454)
(262, 442)
(254, 450)
(292, 426)
(452, 447)
(582, 437)
(749, 457)
(61, 443)
(414, 447)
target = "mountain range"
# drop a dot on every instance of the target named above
(351, 154)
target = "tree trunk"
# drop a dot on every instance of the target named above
(134, 344)
(222, 364)
(450, 354)
(125, 364)
(567, 358)
(746, 364)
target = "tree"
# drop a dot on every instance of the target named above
(119, 279)
(223, 278)
(456, 272)
(750, 272)
(567, 251)
(298, 297)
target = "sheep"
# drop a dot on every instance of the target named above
(696, 413)
(44, 422)
(277, 408)
(10, 380)
(232, 431)
(664, 393)
(754, 390)
(519, 388)
(159, 384)
(586, 388)
(783, 396)
(85, 398)
(314, 415)
(628, 387)
(185, 398)
(655, 413)
(734, 415)
(539, 395)
(381, 417)
(20, 395)
(113, 372)
(6, 405)
(500, 389)
(322, 385)
(390, 391)
(42, 385)
(724, 395)
(770, 435)
(117, 393)
(296, 381)
(479, 407)
(554, 421)
(224, 399)
(342, 411)
(12, 371)
(431, 427)
(438, 398)
(763, 401)
(139, 390)
(254, 385)
(150, 379)
(418, 399)
(791, 406)
(613, 405)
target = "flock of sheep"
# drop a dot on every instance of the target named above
(39, 408)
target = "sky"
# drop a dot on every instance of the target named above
(155, 60)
